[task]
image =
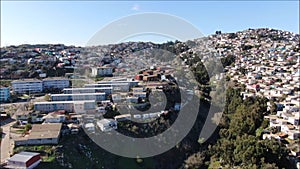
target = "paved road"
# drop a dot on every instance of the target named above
(6, 143)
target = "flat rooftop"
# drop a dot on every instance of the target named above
(95, 88)
(58, 102)
(45, 130)
(26, 81)
(78, 94)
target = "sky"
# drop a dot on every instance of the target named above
(75, 22)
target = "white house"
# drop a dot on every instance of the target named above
(107, 124)
(90, 127)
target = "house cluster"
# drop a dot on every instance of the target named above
(87, 103)
(92, 101)
(267, 65)
(46, 128)
(36, 61)
(154, 74)
(124, 59)
(124, 94)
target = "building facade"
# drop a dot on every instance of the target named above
(46, 133)
(80, 96)
(4, 94)
(27, 86)
(55, 83)
(102, 71)
(106, 90)
(116, 87)
(69, 106)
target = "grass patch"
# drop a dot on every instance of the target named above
(48, 158)
(43, 149)
(18, 131)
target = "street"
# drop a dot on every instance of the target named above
(6, 143)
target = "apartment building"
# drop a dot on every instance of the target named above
(79, 96)
(106, 90)
(69, 106)
(27, 86)
(57, 83)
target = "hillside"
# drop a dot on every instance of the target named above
(237, 142)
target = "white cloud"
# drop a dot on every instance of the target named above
(135, 7)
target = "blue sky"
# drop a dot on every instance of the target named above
(75, 22)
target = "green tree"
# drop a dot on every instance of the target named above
(27, 127)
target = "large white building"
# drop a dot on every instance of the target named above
(36, 86)
(27, 86)
(69, 106)
(131, 83)
(106, 90)
(116, 87)
(102, 71)
(79, 96)
(57, 83)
